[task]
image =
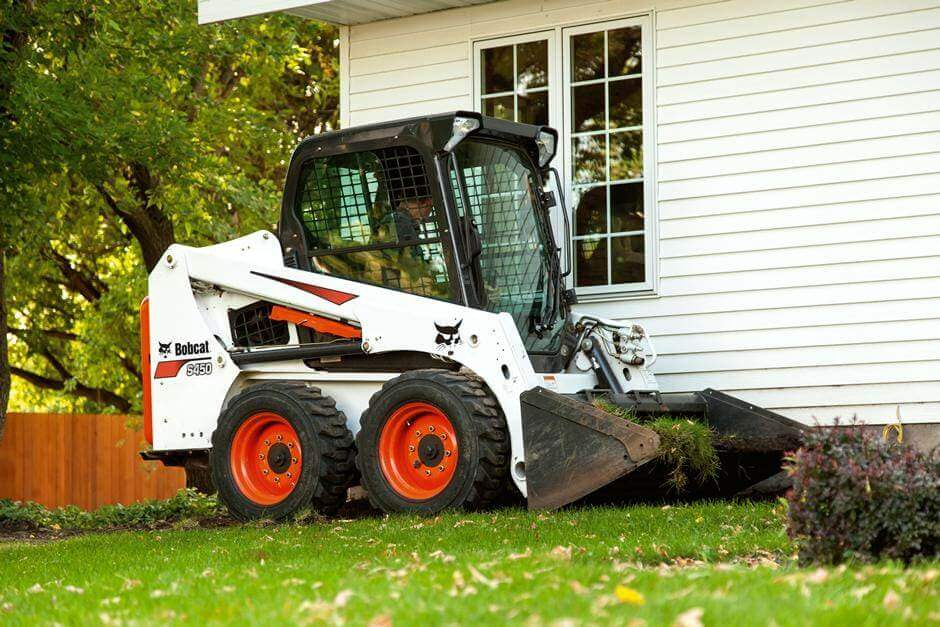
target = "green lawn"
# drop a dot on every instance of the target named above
(727, 564)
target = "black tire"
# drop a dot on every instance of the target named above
(199, 478)
(482, 471)
(328, 459)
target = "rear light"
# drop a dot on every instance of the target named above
(145, 368)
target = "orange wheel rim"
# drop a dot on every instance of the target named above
(266, 458)
(418, 451)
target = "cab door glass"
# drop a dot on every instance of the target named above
(370, 216)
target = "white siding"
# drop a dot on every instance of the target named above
(798, 186)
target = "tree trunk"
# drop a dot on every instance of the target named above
(4, 358)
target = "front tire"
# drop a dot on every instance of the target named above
(281, 447)
(432, 440)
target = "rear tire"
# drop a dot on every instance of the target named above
(431, 440)
(281, 447)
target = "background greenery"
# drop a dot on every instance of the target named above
(125, 126)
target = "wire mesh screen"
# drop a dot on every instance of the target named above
(252, 326)
(370, 216)
(500, 188)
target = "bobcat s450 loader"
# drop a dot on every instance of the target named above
(408, 329)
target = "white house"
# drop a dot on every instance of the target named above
(758, 183)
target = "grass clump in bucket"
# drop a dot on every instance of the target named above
(686, 447)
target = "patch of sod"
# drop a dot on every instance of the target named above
(686, 447)
(727, 563)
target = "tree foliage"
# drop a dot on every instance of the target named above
(126, 127)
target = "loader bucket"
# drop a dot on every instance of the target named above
(572, 448)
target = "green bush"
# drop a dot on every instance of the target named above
(186, 505)
(686, 447)
(857, 497)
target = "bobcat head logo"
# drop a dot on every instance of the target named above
(165, 348)
(448, 335)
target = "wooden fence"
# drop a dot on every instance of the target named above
(79, 459)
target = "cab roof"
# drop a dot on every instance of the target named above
(431, 130)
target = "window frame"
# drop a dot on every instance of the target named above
(560, 114)
(554, 101)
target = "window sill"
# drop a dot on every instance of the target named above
(612, 293)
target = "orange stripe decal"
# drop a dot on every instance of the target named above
(315, 322)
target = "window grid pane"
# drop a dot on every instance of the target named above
(522, 103)
(614, 151)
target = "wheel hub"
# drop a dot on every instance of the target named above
(279, 457)
(430, 450)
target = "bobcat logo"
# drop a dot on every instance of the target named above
(165, 348)
(448, 335)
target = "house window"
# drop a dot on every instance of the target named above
(515, 79)
(604, 95)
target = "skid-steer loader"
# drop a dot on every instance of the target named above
(408, 329)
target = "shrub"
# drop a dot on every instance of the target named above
(858, 497)
(686, 447)
(186, 505)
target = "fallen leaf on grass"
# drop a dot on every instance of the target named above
(891, 600)
(859, 593)
(818, 576)
(480, 578)
(629, 595)
(35, 589)
(690, 618)
(444, 557)
(74, 590)
(561, 552)
(7, 607)
(382, 620)
(577, 587)
(342, 598)
(519, 556)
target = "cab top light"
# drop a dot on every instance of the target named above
(462, 127)
(546, 144)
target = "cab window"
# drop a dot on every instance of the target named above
(370, 216)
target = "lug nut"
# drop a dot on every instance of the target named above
(417, 464)
(446, 453)
(418, 433)
(293, 460)
(260, 455)
(411, 449)
(441, 468)
(443, 436)
(427, 472)
(279, 437)
(431, 429)
(289, 475)
(277, 480)
(290, 445)
(265, 471)
(267, 442)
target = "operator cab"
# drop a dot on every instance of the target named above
(452, 207)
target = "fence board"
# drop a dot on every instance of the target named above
(79, 459)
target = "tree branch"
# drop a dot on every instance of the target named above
(53, 333)
(152, 229)
(90, 287)
(98, 395)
